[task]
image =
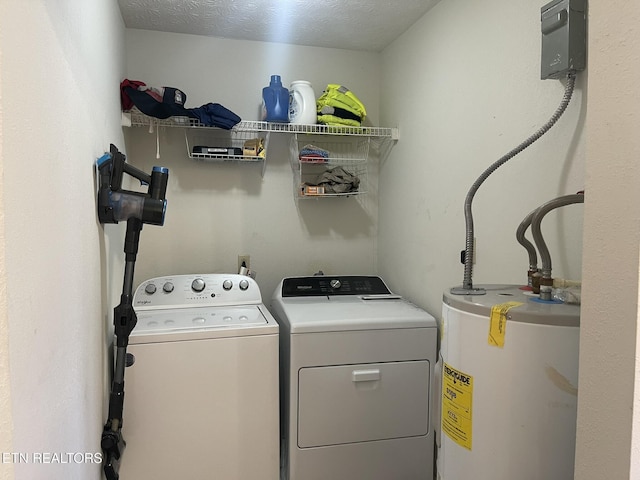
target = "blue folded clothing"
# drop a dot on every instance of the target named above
(215, 115)
(313, 152)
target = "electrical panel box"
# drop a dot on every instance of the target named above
(564, 37)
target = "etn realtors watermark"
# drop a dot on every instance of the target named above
(51, 457)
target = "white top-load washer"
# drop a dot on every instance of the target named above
(201, 398)
(356, 377)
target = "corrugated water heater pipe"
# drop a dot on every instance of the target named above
(467, 283)
(546, 282)
(529, 247)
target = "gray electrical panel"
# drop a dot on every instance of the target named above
(564, 37)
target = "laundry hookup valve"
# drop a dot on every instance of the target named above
(136, 208)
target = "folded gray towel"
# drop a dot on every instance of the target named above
(337, 180)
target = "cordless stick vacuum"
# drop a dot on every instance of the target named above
(115, 205)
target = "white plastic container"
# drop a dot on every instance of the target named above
(302, 103)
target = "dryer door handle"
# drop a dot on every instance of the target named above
(370, 375)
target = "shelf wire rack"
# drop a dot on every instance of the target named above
(139, 119)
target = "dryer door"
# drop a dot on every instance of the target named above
(358, 403)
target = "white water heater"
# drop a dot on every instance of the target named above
(509, 386)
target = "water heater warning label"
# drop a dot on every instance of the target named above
(498, 322)
(457, 400)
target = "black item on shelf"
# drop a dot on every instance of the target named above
(161, 102)
(165, 102)
(205, 150)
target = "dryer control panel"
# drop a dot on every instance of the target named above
(318, 285)
(181, 291)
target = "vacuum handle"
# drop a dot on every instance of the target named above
(120, 167)
(158, 183)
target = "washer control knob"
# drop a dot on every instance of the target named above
(335, 283)
(244, 284)
(227, 284)
(150, 288)
(198, 285)
(167, 287)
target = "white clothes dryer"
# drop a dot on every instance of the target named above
(202, 394)
(356, 376)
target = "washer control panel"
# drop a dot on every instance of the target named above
(180, 291)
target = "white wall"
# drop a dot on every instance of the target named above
(217, 211)
(462, 115)
(463, 85)
(6, 417)
(61, 63)
(609, 402)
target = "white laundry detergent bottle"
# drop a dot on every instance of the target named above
(302, 103)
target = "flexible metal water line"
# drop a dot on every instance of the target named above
(529, 247)
(546, 282)
(467, 283)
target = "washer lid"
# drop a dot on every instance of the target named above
(201, 322)
(342, 313)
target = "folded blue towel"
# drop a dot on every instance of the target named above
(215, 115)
(313, 151)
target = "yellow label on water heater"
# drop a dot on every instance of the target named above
(457, 403)
(498, 322)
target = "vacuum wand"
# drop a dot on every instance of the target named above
(115, 205)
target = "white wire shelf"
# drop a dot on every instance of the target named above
(138, 119)
(350, 153)
(230, 140)
(308, 189)
(337, 149)
(225, 158)
(308, 196)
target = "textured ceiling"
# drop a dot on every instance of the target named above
(350, 24)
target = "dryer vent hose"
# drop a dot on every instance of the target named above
(467, 283)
